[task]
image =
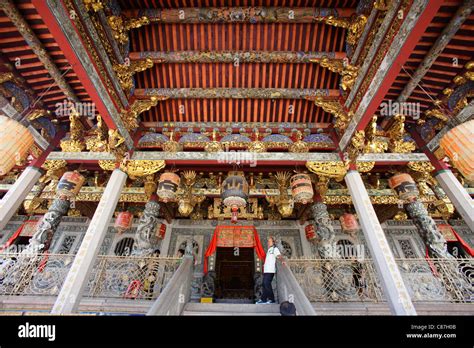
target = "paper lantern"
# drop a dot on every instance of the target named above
(404, 185)
(301, 188)
(458, 145)
(349, 223)
(235, 192)
(123, 221)
(167, 186)
(15, 141)
(161, 232)
(69, 185)
(310, 232)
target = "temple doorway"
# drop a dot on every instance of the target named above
(235, 273)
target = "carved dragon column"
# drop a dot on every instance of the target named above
(428, 230)
(408, 192)
(145, 237)
(324, 230)
(67, 188)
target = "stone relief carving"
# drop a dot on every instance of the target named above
(145, 237)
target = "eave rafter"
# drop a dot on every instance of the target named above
(392, 54)
(65, 30)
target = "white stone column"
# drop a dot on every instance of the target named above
(458, 195)
(165, 243)
(17, 193)
(394, 288)
(307, 252)
(71, 292)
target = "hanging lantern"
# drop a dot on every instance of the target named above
(404, 185)
(123, 221)
(167, 186)
(15, 141)
(235, 192)
(458, 145)
(69, 185)
(161, 232)
(349, 223)
(301, 188)
(310, 232)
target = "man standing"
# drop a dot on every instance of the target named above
(269, 269)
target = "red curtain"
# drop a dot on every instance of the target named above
(236, 242)
(27, 226)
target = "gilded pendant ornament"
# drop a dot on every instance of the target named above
(396, 134)
(121, 26)
(299, 146)
(348, 72)
(75, 143)
(335, 108)
(125, 72)
(354, 27)
(257, 145)
(130, 116)
(283, 201)
(336, 170)
(135, 168)
(93, 5)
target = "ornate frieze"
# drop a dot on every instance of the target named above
(237, 93)
(238, 14)
(235, 56)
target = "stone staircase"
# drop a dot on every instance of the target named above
(244, 309)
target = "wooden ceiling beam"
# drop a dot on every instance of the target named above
(381, 77)
(64, 27)
(238, 14)
(234, 56)
(236, 93)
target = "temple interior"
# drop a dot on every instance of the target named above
(150, 150)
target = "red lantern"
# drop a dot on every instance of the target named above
(70, 184)
(161, 231)
(167, 186)
(123, 221)
(310, 233)
(404, 185)
(301, 188)
(349, 223)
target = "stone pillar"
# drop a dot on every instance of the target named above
(307, 252)
(165, 244)
(17, 194)
(41, 239)
(457, 195)
(145, 237)
(324, 230)
(78, 276)
(428, 230)
(394, 289)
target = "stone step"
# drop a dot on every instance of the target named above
(231, 309)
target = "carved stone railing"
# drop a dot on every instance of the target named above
(438, 280)
(124, 277)
(289, 290)
(177, 292)
(343, 280)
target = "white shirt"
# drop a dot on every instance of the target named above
(270, 260)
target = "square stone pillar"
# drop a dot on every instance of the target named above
(76, 280)
(457, 195)
(17, 193)
(394, 288)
